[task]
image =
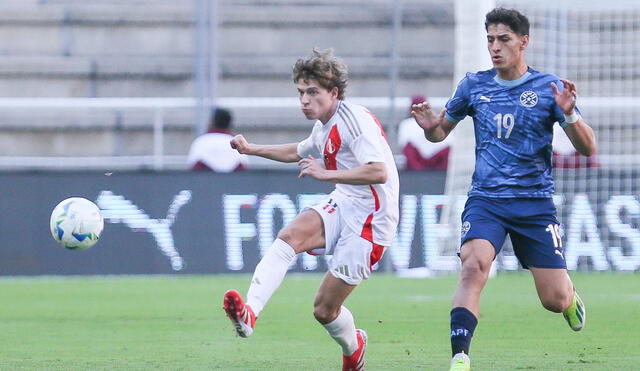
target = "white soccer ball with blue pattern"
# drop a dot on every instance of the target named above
(76, 223)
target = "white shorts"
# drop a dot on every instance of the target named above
(352, 256)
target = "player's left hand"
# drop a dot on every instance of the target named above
(565, 99)
(310, 167)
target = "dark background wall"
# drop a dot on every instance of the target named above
(27, 199)
(165, 222)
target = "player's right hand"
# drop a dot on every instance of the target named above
(425, 116)
(240, 144)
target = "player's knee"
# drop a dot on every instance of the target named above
(292, 236)
(473, 272)
(325, 314)
(287, 235)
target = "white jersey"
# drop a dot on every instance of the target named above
(213, 150)
(351, 138)
(410, 132)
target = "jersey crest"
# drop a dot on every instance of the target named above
(331, 148)
(529, 98)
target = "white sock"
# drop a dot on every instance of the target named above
(343, 331)
(269, 274)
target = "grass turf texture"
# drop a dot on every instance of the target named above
(176, 323)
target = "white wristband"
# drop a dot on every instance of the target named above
(572, 118)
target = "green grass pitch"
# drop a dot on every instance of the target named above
(176, 323)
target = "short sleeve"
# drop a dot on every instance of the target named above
(458, 105)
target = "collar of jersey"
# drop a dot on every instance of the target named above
(334, 117)
(510, 83)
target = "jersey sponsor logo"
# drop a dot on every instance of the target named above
(529, 98)
(466, 226)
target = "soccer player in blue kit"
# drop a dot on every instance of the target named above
(514, 108)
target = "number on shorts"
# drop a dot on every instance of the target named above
(554, 229)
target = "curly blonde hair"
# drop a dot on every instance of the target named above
(323, 67)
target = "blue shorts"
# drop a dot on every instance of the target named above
(530, 222)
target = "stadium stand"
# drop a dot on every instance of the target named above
(145, 48)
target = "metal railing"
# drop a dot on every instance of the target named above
(157, 108)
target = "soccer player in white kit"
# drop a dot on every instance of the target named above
(356, 222)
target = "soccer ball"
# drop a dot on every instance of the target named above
(76, 223)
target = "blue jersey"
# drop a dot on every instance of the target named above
(513, 122)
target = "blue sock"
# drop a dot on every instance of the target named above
(463, 323)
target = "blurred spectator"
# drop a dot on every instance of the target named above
(565, 155)
(212, 151)
(421, 154)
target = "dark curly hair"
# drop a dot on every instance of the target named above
(516, 21)
(323, 67)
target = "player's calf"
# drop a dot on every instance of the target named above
(240, 314)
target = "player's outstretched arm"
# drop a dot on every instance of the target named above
(581, 135)
(371, 173)
(436, 127)
(277, 152)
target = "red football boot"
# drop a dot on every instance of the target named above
(241, 315)
(356, 362)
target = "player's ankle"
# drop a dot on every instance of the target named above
(463, 324)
